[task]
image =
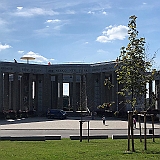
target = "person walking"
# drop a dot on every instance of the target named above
(103, 119)
(134, 122)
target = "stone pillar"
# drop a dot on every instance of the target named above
(102, 87)
(15, 92)
(150, 93)
(74, 92)
(60, 91)
(90, 91)
(74, 102)
(1, 91)
(39, 91)
(71, 96)
(6, 91)
(96, 80)
(78, 94)
(114, 91)
(10, 91)
(107, 89)
(36, 93)
(25, 91)
(83, 92)
(157, 92)
(54, 91)
(30, 99)
(21, 93)
(46, 92)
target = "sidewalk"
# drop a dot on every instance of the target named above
(69, 124)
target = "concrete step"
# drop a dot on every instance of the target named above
(77, 137)
(135, 136)
(31, 138)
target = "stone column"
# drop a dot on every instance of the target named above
(46, 92)
(39, 91)
(15, 92)
(97, 90)
(36, 93)
(6, 91)
(21, 93)
(157, 92)
(10, 91)
(83, 92)
(54, 91)
(1, 91)
(74, 103)
(150, 93)
(78, 94)
(102, 87)
(60, 91)
(18, 95)
(90, 91)
(30, 85)
(25, 91)
(114, 91)
(71, 95)
(107, 90)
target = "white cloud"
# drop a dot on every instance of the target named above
(52, 27)
(91, 12)
(38, 58)
(5, 46)
(23, 12)
(20, 52)
(53, 21)
(105, 13)
(19, 8)
(47, 31)
(112, 33)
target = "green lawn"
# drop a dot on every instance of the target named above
(67, 149)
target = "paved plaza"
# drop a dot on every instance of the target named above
(69, 124)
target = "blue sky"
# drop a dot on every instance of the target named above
(70, 31)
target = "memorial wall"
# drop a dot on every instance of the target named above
(39, 87)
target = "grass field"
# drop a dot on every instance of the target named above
(67, 149)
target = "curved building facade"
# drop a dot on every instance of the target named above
(39, 87)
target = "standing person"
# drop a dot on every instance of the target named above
(103, 119)
(134, 122)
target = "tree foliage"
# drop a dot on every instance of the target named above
(133, 68)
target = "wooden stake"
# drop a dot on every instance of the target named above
(128, 131)
(140, 131)
(132, 134)
(153, 127)
(145, 139)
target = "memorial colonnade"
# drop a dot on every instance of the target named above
(39, 87)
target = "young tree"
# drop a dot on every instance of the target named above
(133, 68)
(134, 71)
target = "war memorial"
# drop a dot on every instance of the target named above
(25, 86)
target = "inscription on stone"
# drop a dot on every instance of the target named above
(6, 68)
(25, 70)
(35, 70)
